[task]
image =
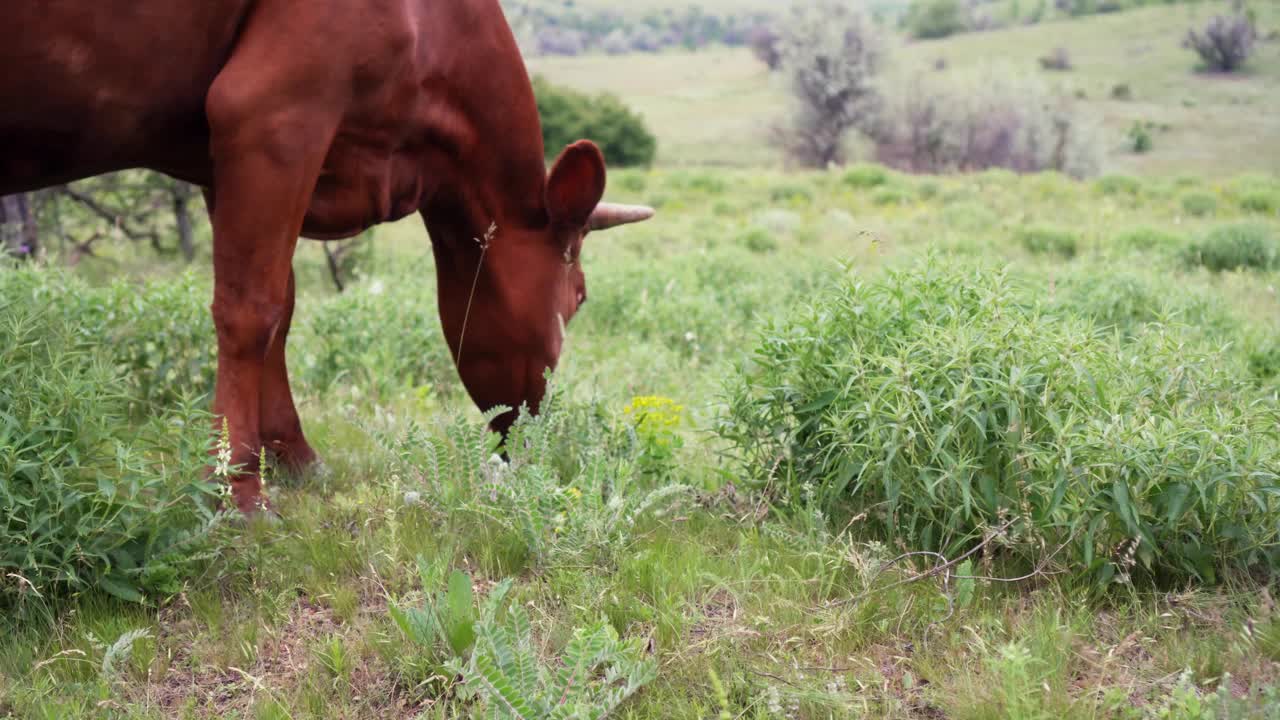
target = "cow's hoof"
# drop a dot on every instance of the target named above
(295, 459)
(263, 514)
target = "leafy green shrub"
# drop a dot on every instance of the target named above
(1140, 140)
(88, 498)
(1237, 246)
(1264, 360)
(1043, 240)
(703, 305)
(159, 335)
(162, 334)
(891, 196)
(381, 336)
(1147, 238)
(1261, 202)
(1126, 302)
(759, 240)
(967, 215)
(708, 183)
(1199, 204)
(791, 195)
(1118, 185)
(940, 404)
(568, 116)
(632, 181)
(930, 19)
(866, 176)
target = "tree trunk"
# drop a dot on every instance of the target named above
(19, 234)
(181, 195)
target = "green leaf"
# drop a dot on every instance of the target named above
(122, 588)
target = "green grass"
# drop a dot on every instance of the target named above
(716, 106)
(784, 608)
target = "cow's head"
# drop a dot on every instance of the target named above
(505, 323)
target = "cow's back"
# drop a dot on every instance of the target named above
(89, 86)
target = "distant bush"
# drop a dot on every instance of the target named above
(758, 240)
(1043, 240)
(708, 183)
(1147, 238)
(1260, 201)
(1118, 185)
(1140, 138)
(931, 19)
(1058, 59)
(791, 194)
(937, 405)
(989, 118)
(928, 190)
(1225, 43)
(1264, 360)
(865, 176)
(1127, 302)
(1121, 91)
(1199, 204)
(568, 116)
(970, 216)
(891, 196)
(1236, 247)
(90, 497)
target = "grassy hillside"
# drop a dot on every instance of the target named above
(715, 107)
(749, 605)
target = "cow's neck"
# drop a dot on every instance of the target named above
(482, 118)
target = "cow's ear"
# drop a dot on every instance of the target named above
(576, 184)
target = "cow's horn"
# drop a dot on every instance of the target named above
(607, 215)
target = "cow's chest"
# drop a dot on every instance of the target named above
(363, 183)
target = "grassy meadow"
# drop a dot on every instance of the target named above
(745, 492)
(715, 107)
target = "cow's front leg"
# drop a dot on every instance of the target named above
(265, 169)
(280, 428)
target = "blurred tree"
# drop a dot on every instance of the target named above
(830, 55)
(137, 205)
(1226, 42)
(764, 40)
(19, 233)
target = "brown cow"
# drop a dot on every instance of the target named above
(319, 118)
